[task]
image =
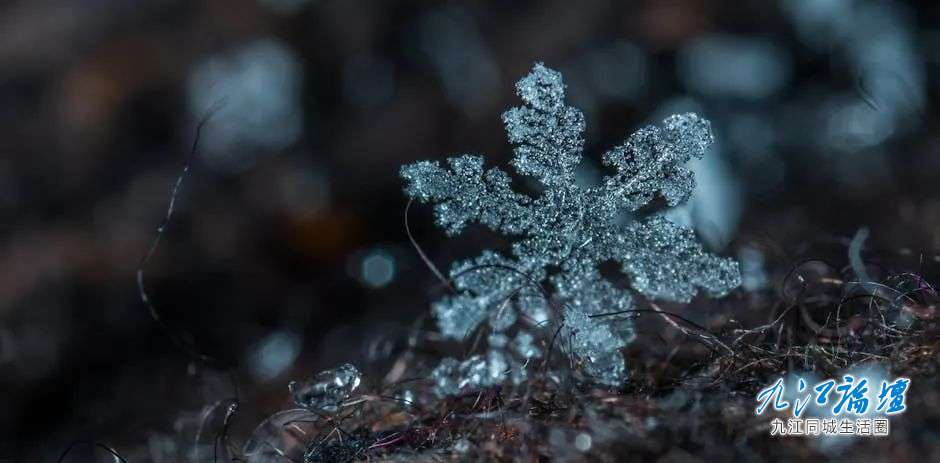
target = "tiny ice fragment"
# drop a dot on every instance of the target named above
(327, 390)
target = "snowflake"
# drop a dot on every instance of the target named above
(564, 234)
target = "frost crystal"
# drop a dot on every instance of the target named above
(564, 234)
(327, 390)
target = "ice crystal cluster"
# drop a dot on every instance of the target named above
(561, 237)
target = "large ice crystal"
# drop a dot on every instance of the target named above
(563, 235)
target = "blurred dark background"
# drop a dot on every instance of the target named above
(288, 254)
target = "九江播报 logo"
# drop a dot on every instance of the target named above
(856, 406)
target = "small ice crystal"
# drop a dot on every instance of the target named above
(327, 390)
(478, 371)
(564, 234)
(497, 340)
(524, 345)
(462, 445)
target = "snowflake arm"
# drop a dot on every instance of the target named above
(664, 261)
(653, 160)
(465, 193)
(485, 287)
(546, 134)
(596, 342)
(581, 287)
